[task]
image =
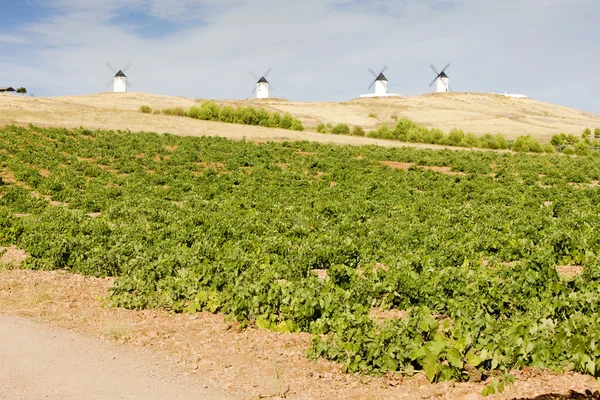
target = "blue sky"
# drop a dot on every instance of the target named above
(319, 49)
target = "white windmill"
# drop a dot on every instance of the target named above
(119, 81)
(381, 85)
(263, 87)
(380, 82)
(443, 81)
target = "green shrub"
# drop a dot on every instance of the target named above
(286, 121)
(496, 141)
(527, 144)
(297, 125)
(437, 135)
(394, 117)
(227, 114)
(340, 129)
(597, 133)
(549, 148)
(274, 120)
(373, 134)
(372, 115)
(208, 111)
(559, 139)
(146, 109)
(321, 128)
(193, 112)
(572, 139)
(586, 133)
(582, 148)
(358, 131)
(456, 136)
(569, 151)
(471, 140)
(178, 111)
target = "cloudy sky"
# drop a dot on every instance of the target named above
(318, 49)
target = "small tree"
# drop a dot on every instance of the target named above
(597, 133)
(22, 90)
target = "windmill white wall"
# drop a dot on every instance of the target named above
(381, 88)
(120, 84)
(443, 84)
(263, 90)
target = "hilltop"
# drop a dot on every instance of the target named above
(476, 113)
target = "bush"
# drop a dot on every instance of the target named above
(274, 120)
(394, 117)
(372, 115)
(341, 129)
(358, 131)
(193, 112)
(178, 111)
(297, 125)
(208, 111)
(559, 139)
(227, 114)
(321, 128)
(582, 148)
(597, 133)
(586, 133)
(146, 109)
(549, 148)
(527, 144)
(456, 136)
(572, 139)
(569, 151)
(286, 121)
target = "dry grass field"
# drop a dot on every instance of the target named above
(476, 113)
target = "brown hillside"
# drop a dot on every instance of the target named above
(476, 113)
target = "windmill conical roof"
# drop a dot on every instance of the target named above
(262, 80)
(443, 75)
(120, 74)
(381, 77)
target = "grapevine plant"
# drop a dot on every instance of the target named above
(319, 238)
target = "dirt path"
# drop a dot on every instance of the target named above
(42, 362)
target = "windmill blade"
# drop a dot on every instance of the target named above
(372, 84)
(434, 70)
(267, 73)
(254, 91)
(254, 75)
(445, 68)
(383, 69)
(436, 78)
(372, 72)
(128, 83)
(109, 83)
(111, 68)
(127, 67)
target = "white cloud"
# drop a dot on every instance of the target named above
(320, 50)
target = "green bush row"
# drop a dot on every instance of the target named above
(406, 130)
(572, 144)
(211, 111)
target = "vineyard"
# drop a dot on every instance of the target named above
(406, 260)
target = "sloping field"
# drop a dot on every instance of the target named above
(476, 113)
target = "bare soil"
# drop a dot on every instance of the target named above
(249, 364)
